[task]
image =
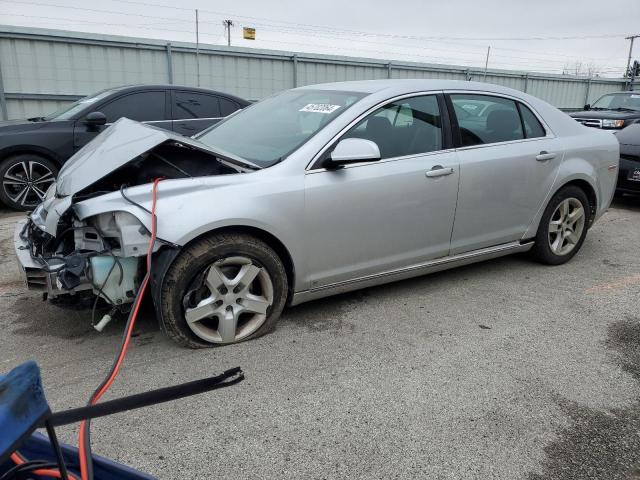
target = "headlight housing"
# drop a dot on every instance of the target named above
(613, 123)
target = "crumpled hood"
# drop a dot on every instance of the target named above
(122, 142)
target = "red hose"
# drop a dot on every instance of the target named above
(45, 472)
(16, 457)
(123, 352)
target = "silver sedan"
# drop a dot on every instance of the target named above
(315, 191)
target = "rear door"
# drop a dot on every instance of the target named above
(192, 111)
(508, 162)
(371, 218)
(147, 106)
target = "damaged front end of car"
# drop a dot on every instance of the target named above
(76, 253)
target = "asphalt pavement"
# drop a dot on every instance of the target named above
(501, 370)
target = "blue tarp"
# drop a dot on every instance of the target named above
(38, 447)
(22, 406)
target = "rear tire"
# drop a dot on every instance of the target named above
(563, 227)
(232, 287)
(25, 179)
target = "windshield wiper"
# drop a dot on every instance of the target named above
(237, 161)
(624, 109)
(36, 119)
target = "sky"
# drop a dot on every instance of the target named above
(548, 36)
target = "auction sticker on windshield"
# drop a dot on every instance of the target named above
(319, 108)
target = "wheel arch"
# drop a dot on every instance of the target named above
(267, 237)
(589, 190)
(583, 182)
(30, 149)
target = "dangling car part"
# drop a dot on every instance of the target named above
(316, 191)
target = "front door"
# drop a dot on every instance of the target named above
(144, 106)
(380, 216)
(508, 163)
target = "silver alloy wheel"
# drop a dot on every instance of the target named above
(566, 226)
(231, 300)
(26, 183)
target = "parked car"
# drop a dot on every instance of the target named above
(32, 151)
(312, 192)
(629, 175)
(612, 111)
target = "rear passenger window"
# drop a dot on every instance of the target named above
(486, 119)
(407, 127)
(532, 126)
(227, 107)
(195, 105)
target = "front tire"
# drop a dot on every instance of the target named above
(222, 289)
(25, 180)
(563, 227)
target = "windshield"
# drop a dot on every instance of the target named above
(68, 111)
(269, 130)
(630, 101)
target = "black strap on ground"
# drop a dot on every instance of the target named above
(226, 379)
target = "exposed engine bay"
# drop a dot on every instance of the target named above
(168, 160)
(101, 258)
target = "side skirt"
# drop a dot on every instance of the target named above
(431, 266)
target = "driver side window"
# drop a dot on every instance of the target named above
(139, 106)
(406, 127)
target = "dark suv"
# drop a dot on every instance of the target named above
(612, 111)
(33, 150)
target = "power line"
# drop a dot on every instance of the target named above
(533, 57)
(359, 32)
(332, 33)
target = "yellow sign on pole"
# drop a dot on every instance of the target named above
(248, 33)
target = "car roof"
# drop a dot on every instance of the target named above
(411, 85)
(142, 86)
(380, 90)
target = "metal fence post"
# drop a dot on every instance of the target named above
(295, 70)
(526, 83)
(389, 68)
(169, 64)
(3, 99)
(586, 94)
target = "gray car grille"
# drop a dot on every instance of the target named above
(590, 122)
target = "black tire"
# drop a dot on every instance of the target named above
(32, 169)
(541, 250)
(194, 260)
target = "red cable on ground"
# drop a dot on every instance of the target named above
(45, 472)
(82, 451)
(84, 471)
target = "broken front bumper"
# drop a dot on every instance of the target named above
(91, 273)
(36, 274)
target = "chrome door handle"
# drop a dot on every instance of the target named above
(439, 171)
(543, 156)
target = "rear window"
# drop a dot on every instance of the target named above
(532, 126)
(486, 119)
(195, 105)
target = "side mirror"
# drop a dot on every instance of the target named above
(587, 107)
(352, 150)
(95, 119)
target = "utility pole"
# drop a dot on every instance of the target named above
(227, 26)
(486, 62)
(629, 72)
(197, 49)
